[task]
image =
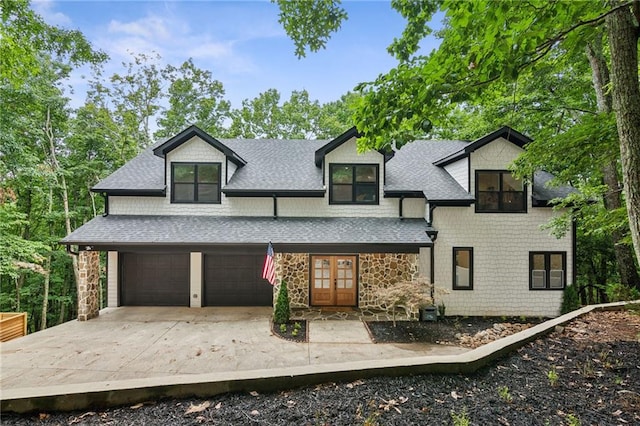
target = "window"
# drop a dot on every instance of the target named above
(463, 268)
(353, 184)
(547, 270)
(195, 182)
(499, 192)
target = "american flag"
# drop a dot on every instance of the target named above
(269, 269)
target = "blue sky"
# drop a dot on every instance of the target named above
(240, 42)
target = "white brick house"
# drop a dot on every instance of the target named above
(187, 223)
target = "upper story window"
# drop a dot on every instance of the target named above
(547, 270)
(353, 184)
(499, 192)
(195, 182)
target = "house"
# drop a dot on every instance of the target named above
(187, 223)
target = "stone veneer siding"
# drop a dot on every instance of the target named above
(88, 294)
(375, 271)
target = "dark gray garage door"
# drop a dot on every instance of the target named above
(235, 280)
(154, 279)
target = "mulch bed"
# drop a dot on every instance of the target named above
(291, 331)
(444, 331)
(586, 373)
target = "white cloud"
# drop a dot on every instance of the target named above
(210, 50)
(44, 8)
(148, 27)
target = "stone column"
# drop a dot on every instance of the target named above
(89, 273)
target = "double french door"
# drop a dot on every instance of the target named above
(334, 281)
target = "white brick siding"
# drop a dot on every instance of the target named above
(459, 170)
(195, 279)
(112, 279)
(501, 244)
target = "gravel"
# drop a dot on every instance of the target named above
(586, 373)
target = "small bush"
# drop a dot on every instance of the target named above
(617, 292)
(282, 312)
(570, 299)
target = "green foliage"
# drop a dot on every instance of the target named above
(309, 23)
(461, 418)
(618, 292)
(553, 377)
(194, 98)
(505, 395)
(282, 311)
(570, 299)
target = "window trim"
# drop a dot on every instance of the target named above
(195, 183)
(547, 274)
(500, 192)
(354, 184)
(455, 285)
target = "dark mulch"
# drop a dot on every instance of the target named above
(295, 331)
(442, 331)
(597, 382)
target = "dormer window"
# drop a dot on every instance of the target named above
(195, 183)
(499, 192)
(353, 184)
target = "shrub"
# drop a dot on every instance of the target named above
(409, 295)
(570, 299)
(619, 292)
(282, 311)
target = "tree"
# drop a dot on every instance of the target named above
(194, 98)
(282, 311)
(485, 43)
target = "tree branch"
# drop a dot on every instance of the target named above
(579, 24)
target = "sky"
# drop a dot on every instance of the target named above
(240, 42)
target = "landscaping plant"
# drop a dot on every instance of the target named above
(282, 311)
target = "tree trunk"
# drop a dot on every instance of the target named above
(47, 277)
(613, 198)
(65, 192)
(623, 43)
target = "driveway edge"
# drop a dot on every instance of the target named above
(96, 395)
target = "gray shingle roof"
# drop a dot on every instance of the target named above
(412, 169)
(176, 230)
(276, 165)
(542, 192)
(143, 173)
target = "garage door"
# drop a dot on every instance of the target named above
(235, 280)
(154, 279)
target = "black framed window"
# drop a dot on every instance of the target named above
(463, 268)
(353, 184)
(195, 182)
(497, 191)
(547, 270)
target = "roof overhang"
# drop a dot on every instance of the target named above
(132, 192)
(335, 143)
(403, 194)
(273, 193)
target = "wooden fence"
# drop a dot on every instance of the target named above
(12, 325)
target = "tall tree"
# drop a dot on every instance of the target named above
(195, 97)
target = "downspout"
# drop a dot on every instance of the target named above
(400, 207)
(574, 249)
(106, 204)
(432, 207)
(275, 207)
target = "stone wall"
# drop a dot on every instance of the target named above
(294, 269)
(376, 270)
(88, 285)
(380, 270)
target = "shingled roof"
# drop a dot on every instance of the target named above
(288, 167)
(122, 230)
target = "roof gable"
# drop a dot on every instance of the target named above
(335, 143)
(504, 132)
(188, 133)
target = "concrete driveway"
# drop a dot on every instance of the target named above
(143, 342)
